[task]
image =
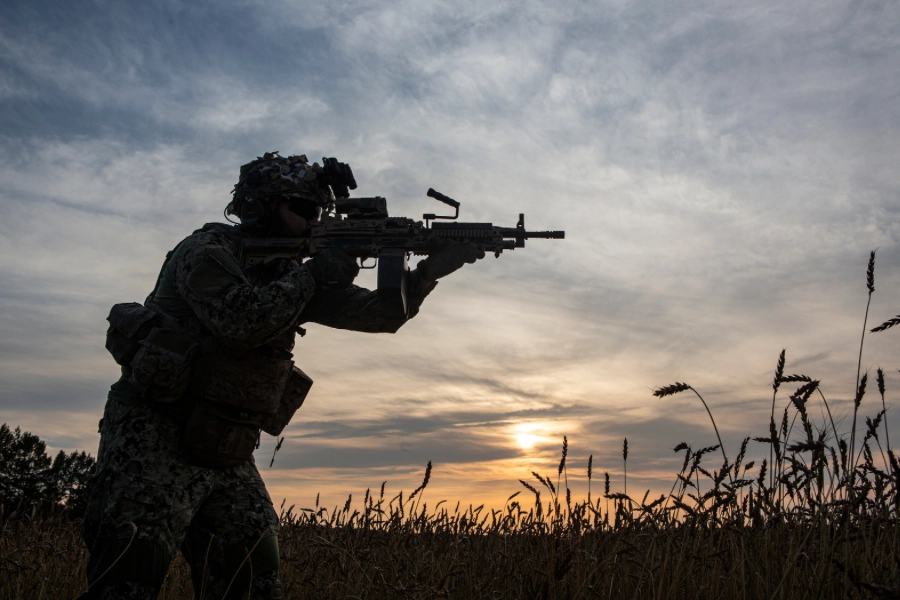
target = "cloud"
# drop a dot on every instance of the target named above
(721, 170)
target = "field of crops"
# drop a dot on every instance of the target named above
(816, 517)
(817, 525)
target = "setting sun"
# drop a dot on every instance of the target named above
(526, 434)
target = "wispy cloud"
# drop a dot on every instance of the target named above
(721, 171)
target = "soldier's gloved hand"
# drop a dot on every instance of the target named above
(333, 269)
(447, 256)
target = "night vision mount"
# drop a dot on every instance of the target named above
(339, 176)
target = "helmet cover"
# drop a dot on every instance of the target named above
(271, 179)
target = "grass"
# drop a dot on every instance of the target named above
(815, 517)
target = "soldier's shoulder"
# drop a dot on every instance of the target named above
(214, 244)
(212, 236)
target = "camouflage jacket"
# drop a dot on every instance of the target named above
(204, 286)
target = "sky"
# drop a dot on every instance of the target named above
(722, 171)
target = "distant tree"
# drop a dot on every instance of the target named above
(23, 466)
(29, 477)
(69, 475)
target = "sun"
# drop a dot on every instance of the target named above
(526, 434)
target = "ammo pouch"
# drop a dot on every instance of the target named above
(156, 349)
(260, 388)
(220, 436)
(219, 439)
(295, 392)
(129, 323)
(238, 392)
(233, 392)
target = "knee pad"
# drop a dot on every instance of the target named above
(262, 565)
(136, 562)
(265, 556)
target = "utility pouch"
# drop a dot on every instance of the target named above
(216, 440)
(242, 379)
(161, 368)
(295, 392)
(129, 323)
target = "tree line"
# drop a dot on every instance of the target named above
(30, 479)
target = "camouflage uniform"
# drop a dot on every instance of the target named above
(148, 500)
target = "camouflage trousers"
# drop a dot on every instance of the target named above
(146, 503)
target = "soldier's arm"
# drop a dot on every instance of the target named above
(211, 281)
(359, 309)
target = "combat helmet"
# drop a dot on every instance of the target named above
(271, 179)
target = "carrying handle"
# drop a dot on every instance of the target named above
(446, 200)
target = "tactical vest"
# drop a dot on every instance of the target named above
(223, 395)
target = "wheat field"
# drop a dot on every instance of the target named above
(815, 517)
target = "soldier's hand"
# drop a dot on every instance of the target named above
(447, 256)
(333, 269)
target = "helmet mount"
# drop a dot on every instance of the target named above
(272, 179)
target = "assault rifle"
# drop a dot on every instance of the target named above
(362, 228)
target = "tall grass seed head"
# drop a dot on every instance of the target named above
(779, 370)
(870, 273)
(862, 390)
(669, 390)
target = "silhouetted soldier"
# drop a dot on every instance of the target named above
(207, 364)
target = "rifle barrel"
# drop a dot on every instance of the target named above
(547, 235)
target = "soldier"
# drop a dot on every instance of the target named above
(206, 364)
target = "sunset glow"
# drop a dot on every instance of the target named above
(527, 435)
(721, 170)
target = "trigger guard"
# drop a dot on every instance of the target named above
(363, 259)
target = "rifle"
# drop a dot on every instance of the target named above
(362, 228)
